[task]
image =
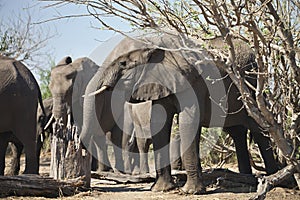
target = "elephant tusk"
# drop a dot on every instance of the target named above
(69, 125)
(97, 91)
(49, 122)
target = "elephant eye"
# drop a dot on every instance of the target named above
(122, 64)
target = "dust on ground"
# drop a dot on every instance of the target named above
(142, 191)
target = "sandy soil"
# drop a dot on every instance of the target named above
(142, 191)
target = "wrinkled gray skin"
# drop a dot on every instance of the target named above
(127, 73)
(17, 147)
(68, 82)
(91, 126)
(19, 98)
(136, 136)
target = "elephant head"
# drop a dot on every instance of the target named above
(67, 85)
(149, 74)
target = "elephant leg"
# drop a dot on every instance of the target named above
(28, 138)
(175, 153)
(143, 146)
(39, 145)
(31, 163)
(239, 136)
(3, 147)
(16, 148)
(190, 137)
(94, 163)
(116, 138)
(135, 156)
(265, 148)
(127, 147)
(161, 122)
(103, 161)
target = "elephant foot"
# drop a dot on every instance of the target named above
(94, 164)
(136, 170)
(104, 168)
(177, 164)
(162, 186)
(193, 187)
(120, 167)
(12, 173)
(127, 171)
(30, 172)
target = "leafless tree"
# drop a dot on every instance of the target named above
(270, 27)
(23, 40)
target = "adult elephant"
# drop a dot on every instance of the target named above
(19, 98)
(184, 82)
(68, 81)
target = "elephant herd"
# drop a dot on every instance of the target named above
(133, 97)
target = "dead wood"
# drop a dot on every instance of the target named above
(124, 178)
(218, 176)
(35, 185)
(266, 183)
(221, 177)
(68, 158)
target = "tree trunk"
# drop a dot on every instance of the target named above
(68, 159)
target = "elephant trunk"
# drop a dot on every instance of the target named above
(59, 109)
(109, 79)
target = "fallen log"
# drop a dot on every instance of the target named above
(124, 178)
(210, 177)
(267, 183)
(35, 185)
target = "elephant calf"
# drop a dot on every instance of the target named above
(136, 128)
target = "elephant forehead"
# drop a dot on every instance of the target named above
(151, 40)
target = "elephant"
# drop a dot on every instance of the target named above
(68, 81)
(179, 76)
(17, 147)
(19, 99)
(136, 132)
(140, 116)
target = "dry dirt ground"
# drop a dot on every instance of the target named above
(142, 191)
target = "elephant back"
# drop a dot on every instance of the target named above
(15, 74)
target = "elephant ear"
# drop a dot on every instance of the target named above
(154, 80)
(65, 61)
(86, 69)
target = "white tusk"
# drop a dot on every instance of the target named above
(49, 122)
(69, 121)
(97, 91)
